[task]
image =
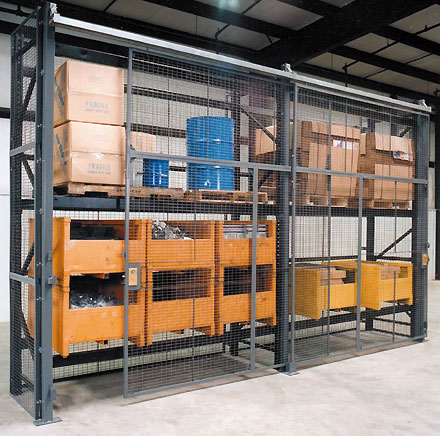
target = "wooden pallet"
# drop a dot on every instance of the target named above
(369, 203)
(320, 200)
(224, 196)
(84, 189)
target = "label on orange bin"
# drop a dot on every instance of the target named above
(132, 277)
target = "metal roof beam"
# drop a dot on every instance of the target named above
(385, 63)
(317, 7)
(143, 28)
(224, 16)
(409, 39)
(322, 8)
(365, 83)
(350, 22)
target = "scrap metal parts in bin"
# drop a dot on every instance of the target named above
(162, 230)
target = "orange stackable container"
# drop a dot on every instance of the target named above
(312, 295)
(236, 254)
(377, 288)
(191, 264)
(96, 258)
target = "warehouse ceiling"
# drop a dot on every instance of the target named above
(388, 46)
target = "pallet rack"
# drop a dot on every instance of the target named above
(255, 97)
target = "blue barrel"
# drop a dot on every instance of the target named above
(210, 137)
(156, 173)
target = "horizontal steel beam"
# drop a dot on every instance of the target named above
(153, 44)
(359, 175)
(409, 39)
(352, 21)
(207, 161)
(365, 83)
(224, 16)
(5, 112)
(386, 64)
(23, 279)
(322, 8)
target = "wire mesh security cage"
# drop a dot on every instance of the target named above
(360, 183)
(212, 273)
(230, 219)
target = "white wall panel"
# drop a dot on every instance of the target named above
(5, 79)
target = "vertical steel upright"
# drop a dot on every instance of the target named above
(127, 212)
(291, 367)
(282, 289)
(43, 216)
(33, 53)
(436, 184)
(419, 232)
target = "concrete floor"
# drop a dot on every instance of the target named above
(394, 392)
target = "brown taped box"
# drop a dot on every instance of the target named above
(88, 153)
(391, 156)
(377, 146)
(143, 142)
(307, 132)
(312, 146)
(344, 160)
(312, 152)
(89, 93)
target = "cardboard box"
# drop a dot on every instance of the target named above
(386, 148)
(143, 142)
(89, 93)
(389, 190)
(342, 159)
(312, 152)
(88, 137)
(263, 143)
(89, 153)
(391, 156)
(308, 132)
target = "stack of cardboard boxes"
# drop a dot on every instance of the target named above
(313, 152)
(89, 137)
(351, 152)
(386, 155)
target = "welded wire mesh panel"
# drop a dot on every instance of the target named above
(210, 274)
(325, 291)
(354, 231)
(23, 133)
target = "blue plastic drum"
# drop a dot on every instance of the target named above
(213, 138)
(156, 173)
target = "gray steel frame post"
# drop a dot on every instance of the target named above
(15, 226)
(282, 287)
(292, 364)
(127, 213)
(45, 127)
(437, 186)
(419, 232)
(371, 223)
(370, 237)
(359, 265)
(254, 265)
(329, 219)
